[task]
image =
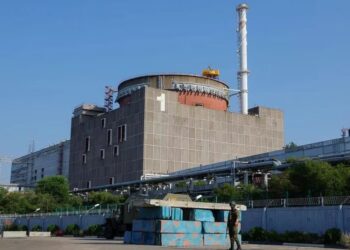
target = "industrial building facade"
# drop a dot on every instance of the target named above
(50, 161)
(165, 123)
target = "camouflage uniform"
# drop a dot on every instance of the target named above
(233, 224)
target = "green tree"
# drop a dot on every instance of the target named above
(104, 198)
(250, 192)
(56, 186)
(291, 146)
(75, 201)
(317, 178)
(15, 202)
(227, 193)
(280, 186)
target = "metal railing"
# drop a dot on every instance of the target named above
(298, 202)
(83, 210)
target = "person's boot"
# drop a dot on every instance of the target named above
(239, 247)
(232, 247)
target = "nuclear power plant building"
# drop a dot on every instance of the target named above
(165, 123)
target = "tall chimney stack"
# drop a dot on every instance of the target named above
(242, 74)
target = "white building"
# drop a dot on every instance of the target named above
(50, 161)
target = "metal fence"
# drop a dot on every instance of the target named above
(83, 210)
(298, 202)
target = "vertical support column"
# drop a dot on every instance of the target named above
(242, 74)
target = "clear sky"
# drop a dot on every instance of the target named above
(55, 55)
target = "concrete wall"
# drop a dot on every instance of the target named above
(158, 142)
(304, 219)
(83, 221)
(127, 165)
(186, 136)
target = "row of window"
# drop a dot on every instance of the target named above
(34, 177)
(103, 154)
(110, 181)
(121, 137)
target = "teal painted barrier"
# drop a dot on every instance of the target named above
(214, 227)
(202, 215)
(216, 240)
(222, 216)
(176, 213)
(180, 240)
(173, 226)
(151, 213)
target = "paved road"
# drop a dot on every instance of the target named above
(67, 243)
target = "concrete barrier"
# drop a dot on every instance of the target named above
(14, 234)
(39, 234)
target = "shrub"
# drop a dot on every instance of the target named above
(199, 183)
(72, 229)
(273, 236)
(36, 228)
(294, 237)
(22, 228)
(332, 236)
(14, 227)
(345, 240)
(257, 234)
(52, 228)
(181, 184)
(11, 227)
(94, 230)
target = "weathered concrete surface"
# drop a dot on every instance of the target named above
(101, 244)
(14, 234)
(39, 234)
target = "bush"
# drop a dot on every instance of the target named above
(273, 236)
(36, 228)
(345, 240)
(52, 228)
(257, 234)
(72, 229)
(199, 183)
(13, 227)
(332, 236)
(94, 230)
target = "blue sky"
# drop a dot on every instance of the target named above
(55, 55)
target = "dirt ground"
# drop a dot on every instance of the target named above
(70, 243)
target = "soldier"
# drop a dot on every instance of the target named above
(233, 224)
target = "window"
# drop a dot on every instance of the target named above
(109, 136)
(122, 133)
(103, 122)
(84, 158)
(115, 150)
(88, 184)
(111, 180)
(102, 154)
(87, 144)
(42, 173)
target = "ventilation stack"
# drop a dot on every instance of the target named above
(242, 74)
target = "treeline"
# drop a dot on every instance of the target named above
(52, 193)
(303, 179)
